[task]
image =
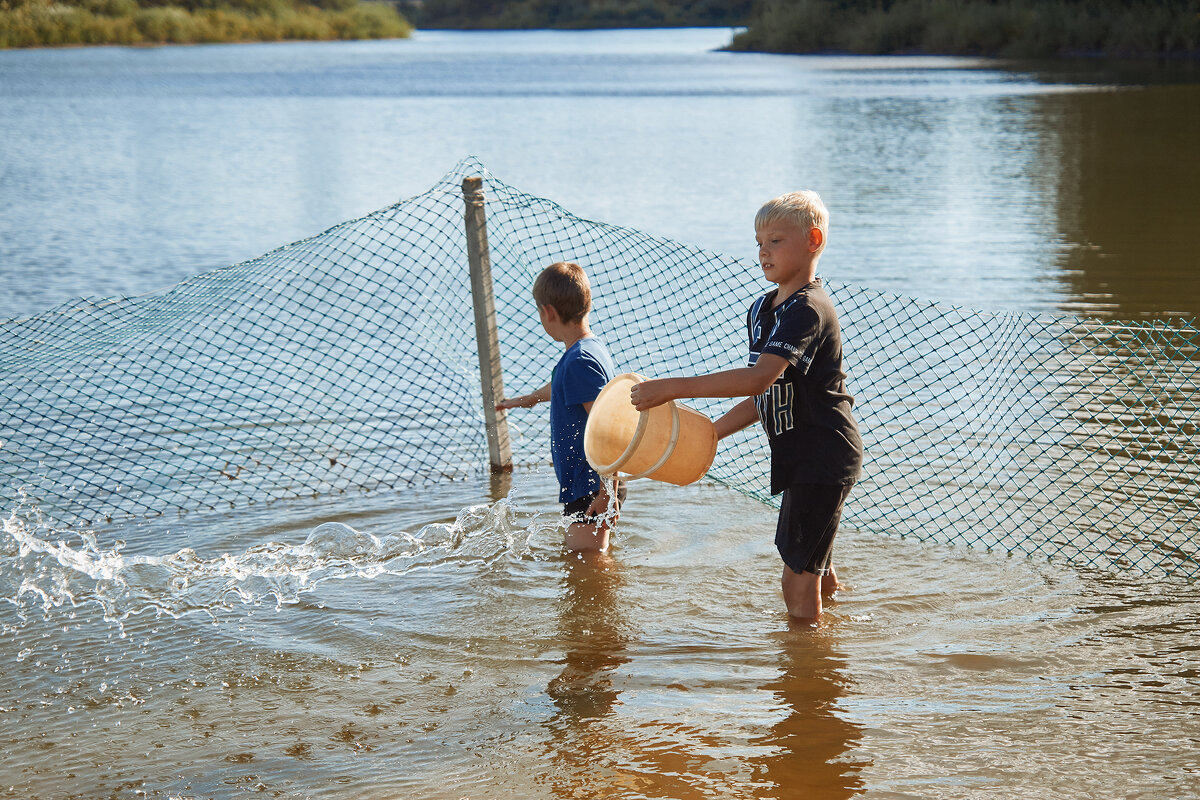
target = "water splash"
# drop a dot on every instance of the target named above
(45, 568)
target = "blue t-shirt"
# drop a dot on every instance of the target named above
(578, 377)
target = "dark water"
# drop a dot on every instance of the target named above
(438, 643)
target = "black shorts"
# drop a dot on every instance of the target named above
(577, 509)
(808, 523)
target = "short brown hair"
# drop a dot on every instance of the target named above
(564, 286)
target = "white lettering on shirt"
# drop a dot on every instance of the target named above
(775, 407)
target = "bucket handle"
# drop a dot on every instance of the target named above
(637, 439)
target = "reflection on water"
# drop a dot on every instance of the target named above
(1128, 198)
(594, 632)
(809, 748)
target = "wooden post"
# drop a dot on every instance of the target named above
(491, 375)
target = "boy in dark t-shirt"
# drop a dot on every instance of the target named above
(796, 387)
(564, 299)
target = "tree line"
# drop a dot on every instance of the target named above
(527, 14)
(1005, 28)
(32, 23)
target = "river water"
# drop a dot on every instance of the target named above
(439, 644)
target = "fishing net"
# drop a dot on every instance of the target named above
(347, 362)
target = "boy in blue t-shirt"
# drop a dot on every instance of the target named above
(796, 387)
(564, 298)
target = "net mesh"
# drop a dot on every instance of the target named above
(347, 362)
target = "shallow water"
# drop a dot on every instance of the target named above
(433, 645)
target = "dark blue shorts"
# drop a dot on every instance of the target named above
(577, 509)
(808, 523)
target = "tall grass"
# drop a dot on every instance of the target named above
(33, 23)
(1007, 28)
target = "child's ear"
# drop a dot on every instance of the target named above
(816, 238)
(549, 313)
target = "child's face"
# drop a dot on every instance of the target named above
(784, 251)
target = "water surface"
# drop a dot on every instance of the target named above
(431, 646)
(438, 643)
(979, 183)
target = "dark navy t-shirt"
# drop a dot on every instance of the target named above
(578, 377)
(807, 411)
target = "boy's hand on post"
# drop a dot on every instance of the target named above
(523, 401)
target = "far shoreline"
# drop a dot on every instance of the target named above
(1057, 30)
(46, 25)
(1062, 59)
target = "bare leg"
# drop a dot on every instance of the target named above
(584, 537)
(802, 594)
(830, 583)
(589, 537)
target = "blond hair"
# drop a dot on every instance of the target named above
(803, 209)
(564, 286)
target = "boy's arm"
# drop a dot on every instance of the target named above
(741, 382)
(530, 400)
(740, 417)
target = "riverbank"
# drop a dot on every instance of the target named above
(1009, 28)
(42, 23)
(574, 14)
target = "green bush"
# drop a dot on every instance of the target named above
(32, 23)
(372, 21)
(110, 8)
(165, 25)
